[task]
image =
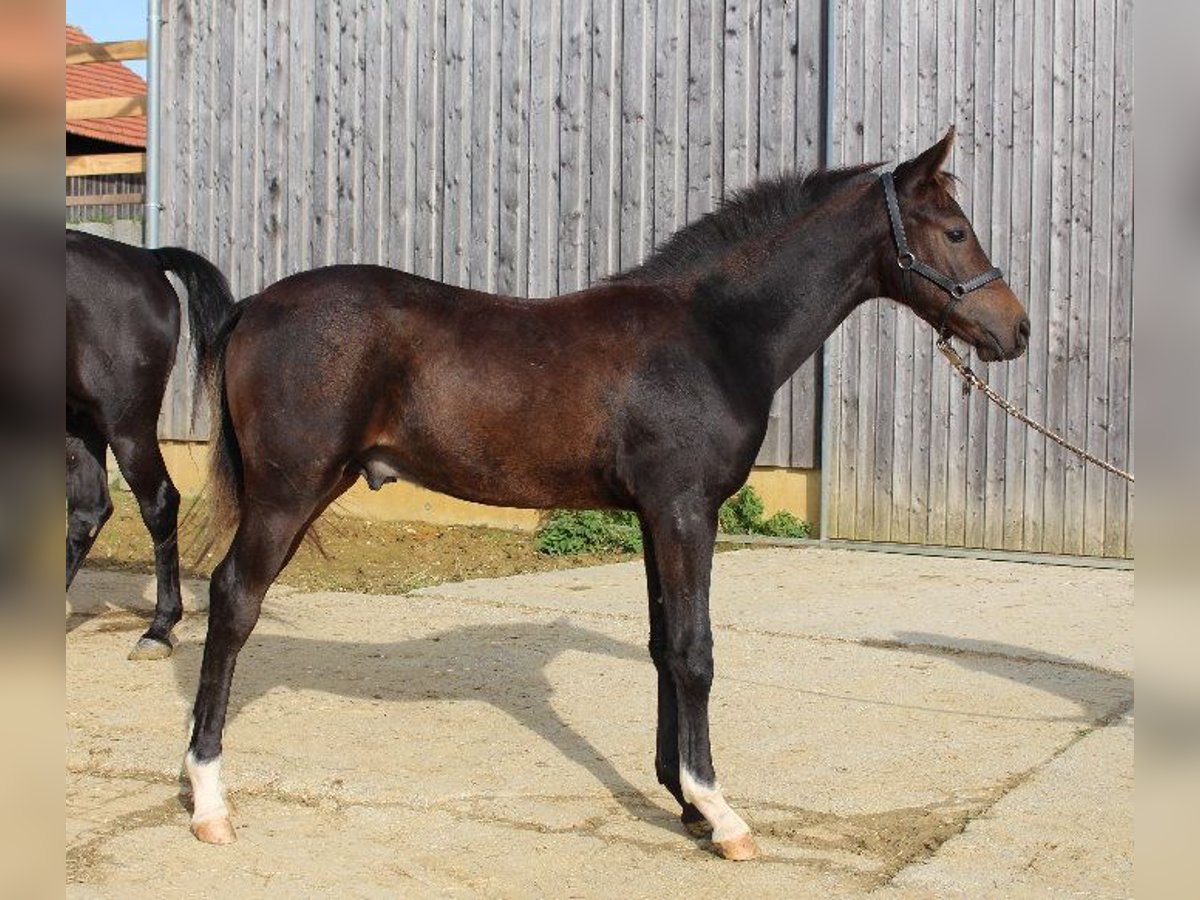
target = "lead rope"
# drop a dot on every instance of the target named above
(971, 380)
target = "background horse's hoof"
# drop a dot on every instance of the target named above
(215, 831)
(739, 848)
(150, 648)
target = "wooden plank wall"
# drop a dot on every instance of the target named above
(1041, 94)
(520, 146)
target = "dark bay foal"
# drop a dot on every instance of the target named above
(649, 392)
(122, 330)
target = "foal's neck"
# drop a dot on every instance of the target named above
(776, 301)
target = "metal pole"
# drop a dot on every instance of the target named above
(152, 205)
(829, 14)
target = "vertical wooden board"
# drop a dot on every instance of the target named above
(888, 361)
(458, 144)
(375, 90)
(637, 119)
(741, 94)
(575, 91)
(830, 457)
(1100, 409)
(298, 122)
(902, 20)
(670, 132)
(1060, 273)
(402, 137)
(804, 45)
(237, 155)
(173, 93)
(705, 106)
(937, 112)
(1000, 187)
(871, 314)
(1118, 539)
(1080, 270)
(808, 41)
(957, 460)
(1017, 267)
(544, 99)
(775, 113)
(321, 137)
(847, 140)
(485, 144)
(604, 207)
(514, 151)
(255, 156)
(430, 77)
(275, 62)
(921, 120)
(804, 445)
(978, 414)
(223, 151)
(1041, 234)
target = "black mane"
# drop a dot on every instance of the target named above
(746, 213)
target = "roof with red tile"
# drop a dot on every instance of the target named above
(105, 79)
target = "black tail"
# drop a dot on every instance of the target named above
(212, 315)
(209, 302)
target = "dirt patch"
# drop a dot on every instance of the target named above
(351, 554)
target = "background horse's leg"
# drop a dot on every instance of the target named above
(142, 465)
(89, 505)
(666, 753)
(683, 539)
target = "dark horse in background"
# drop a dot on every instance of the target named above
(649, 392)
(122, 331)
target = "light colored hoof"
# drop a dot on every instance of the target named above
(149, 648)
(738, 849)
(214, 831)
(698, 828)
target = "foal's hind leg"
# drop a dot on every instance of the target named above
(259, 548)
(89, 505)
(142, 465)
(264, 543)
(683, 539)
(666, 753)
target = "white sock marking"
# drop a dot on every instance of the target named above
(708, 799)
(208, 794)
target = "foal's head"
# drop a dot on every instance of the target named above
(941, 239)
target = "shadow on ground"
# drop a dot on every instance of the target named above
(503, 665)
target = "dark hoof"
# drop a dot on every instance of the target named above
(738, 849)
(150, 648)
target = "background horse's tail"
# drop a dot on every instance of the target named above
(209, 302)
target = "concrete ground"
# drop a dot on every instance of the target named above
(889, 725)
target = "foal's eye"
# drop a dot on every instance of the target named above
(957, 235)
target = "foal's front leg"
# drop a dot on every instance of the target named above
(683, 546)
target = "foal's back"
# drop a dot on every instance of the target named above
(490, 398)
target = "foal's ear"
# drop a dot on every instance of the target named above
(927, 167)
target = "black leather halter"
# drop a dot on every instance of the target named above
(909, 263)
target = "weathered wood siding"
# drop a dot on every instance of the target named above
(1041, 93)
(520, 146)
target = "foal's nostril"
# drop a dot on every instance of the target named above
(1023, 333)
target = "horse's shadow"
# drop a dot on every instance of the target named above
(1100, 694)
(504, 665)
